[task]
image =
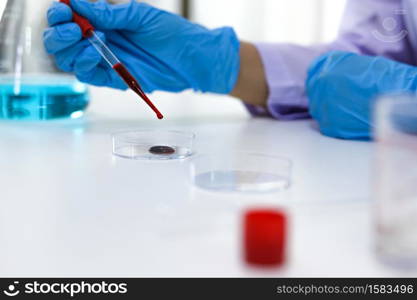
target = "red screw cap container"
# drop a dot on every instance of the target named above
(264, 237)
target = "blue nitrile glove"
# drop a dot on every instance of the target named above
(164, 51)
(342, 88)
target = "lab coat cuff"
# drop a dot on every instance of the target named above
(281, 103)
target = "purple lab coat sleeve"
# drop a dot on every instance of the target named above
(364, 30)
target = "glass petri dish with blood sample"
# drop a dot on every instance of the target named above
(153, 144)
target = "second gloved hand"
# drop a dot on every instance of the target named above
(343, 87)
(164, 51)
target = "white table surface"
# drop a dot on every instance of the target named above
(69, 208)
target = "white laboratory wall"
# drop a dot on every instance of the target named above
(297, 21)
(170, 5)
(333, 12)
(2, 6)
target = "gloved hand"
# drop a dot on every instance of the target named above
(343, 87)
(164, 51)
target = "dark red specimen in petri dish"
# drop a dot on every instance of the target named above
(264, 237)
(162, 150)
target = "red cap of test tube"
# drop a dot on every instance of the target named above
(264, 237)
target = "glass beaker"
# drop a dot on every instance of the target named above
(31, 88)
(395, 187)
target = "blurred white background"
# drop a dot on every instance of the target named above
(297, 21)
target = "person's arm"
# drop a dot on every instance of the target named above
(168, 53)
(285, 65)
(251, 86)
(164, 51)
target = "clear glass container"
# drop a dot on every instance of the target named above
(395, 188)
(31, 87)
(153, 144)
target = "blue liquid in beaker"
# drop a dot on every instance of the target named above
(42, 98)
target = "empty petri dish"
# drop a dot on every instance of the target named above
(153, 144)
(241, 172)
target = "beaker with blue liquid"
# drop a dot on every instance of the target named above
(31, 88)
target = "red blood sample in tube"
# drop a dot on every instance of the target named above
(265, 237)
(134, 85)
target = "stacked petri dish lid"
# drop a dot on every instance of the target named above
(244, 172)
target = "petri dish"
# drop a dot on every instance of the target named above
(241, 172)
(153, 144)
